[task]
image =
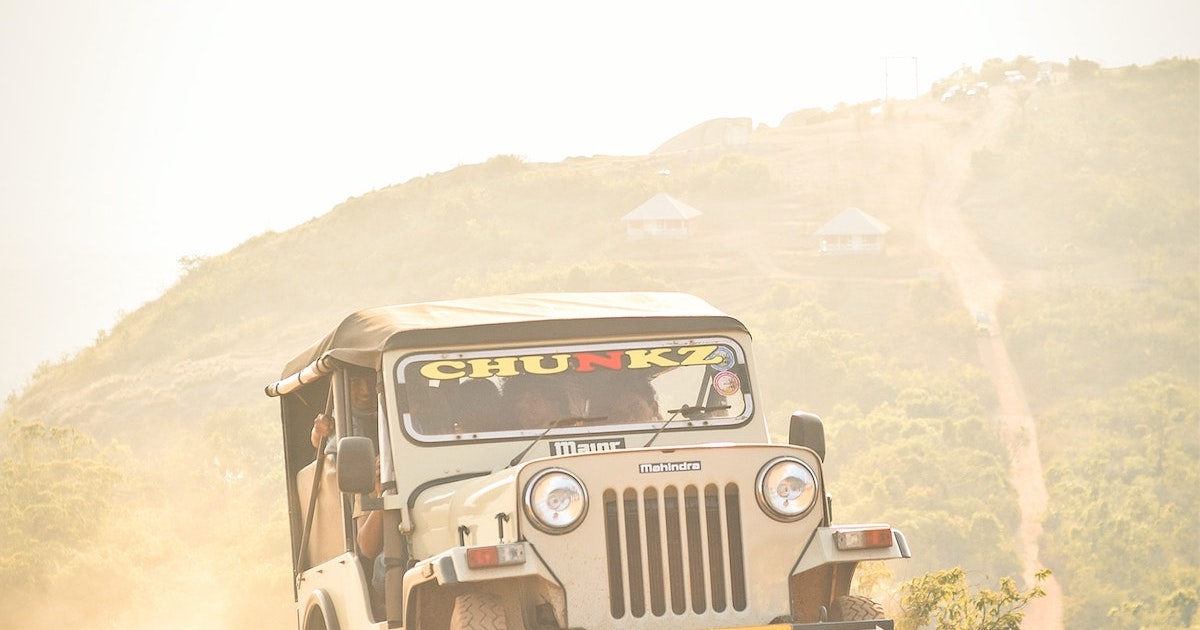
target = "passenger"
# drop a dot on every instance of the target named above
(626, 400)
(364, 421)
(476, 402)
(426, 406)
(534, 402)
(370, 545)
(364, 412)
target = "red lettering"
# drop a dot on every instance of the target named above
(588, 362)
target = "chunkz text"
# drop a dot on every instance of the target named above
(634, 359)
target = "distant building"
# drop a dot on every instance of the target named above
(852, 232)
(662, 216)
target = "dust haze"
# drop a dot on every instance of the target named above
(140, 137)
(142, 475)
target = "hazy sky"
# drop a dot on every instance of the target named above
(137, 132)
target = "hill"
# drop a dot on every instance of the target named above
(1080, 193)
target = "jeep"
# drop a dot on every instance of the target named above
(555, 461)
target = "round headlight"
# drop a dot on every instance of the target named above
(787, 489)
(555, 501)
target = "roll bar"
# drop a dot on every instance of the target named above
(324, 366)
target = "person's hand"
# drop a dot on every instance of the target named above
(322, 426)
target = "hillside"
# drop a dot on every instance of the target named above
(506, 225)
(1079, 198)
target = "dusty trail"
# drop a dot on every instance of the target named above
(981, 285)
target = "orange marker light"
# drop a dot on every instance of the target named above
(864, 538)
(495, 556)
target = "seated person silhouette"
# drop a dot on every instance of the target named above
(534, 402)
(626, 399)
(428, 407)
(475, 405)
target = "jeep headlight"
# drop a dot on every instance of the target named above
(555, 501)
(786, 488)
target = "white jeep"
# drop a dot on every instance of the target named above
(554, 461)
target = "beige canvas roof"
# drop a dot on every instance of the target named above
(360, 339)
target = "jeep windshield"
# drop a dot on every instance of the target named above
(625, 387)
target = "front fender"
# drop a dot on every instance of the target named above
(433, 583)
(320, 606)
(463, 512)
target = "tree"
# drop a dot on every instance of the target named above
(945, 597)
(1082, 69)
(992, 70)
(56, 493)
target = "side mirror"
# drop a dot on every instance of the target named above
(808, 431)
(356, 465)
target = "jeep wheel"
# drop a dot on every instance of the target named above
(855, 608)
(478, 611)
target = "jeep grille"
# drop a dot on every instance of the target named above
(665, 550)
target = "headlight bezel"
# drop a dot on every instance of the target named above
(534, 506)
(776, 470)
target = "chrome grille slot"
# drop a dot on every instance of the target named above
(673, 549)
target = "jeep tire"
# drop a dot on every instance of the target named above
(855, 608)
(478, 611)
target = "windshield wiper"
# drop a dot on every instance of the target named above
(685, 410)
(688, 411)
(557, 423)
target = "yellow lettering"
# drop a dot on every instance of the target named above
(558, 363)
(443, 370)
(535, 364)
(500, 366)
(641, 359)
(699, 355)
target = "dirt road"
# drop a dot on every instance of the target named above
(981, 285)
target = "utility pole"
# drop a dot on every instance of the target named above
(887, 62)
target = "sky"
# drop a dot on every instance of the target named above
(136, 133)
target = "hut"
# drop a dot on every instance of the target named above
(661, 216)
(852, 232)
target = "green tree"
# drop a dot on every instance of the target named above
(57, 490)
(1122, 478)
(945, 598)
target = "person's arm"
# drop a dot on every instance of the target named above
(370, 533)
(322, 428)
(370, 526)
